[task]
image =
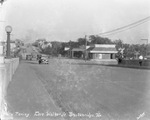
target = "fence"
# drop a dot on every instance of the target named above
(6, 72)
(135, 62)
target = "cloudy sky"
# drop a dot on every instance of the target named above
(65, 20)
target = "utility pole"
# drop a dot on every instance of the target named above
(70, 49)
(146, 44)
(85, 54)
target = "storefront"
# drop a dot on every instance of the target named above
(102, 51)
(95, 52)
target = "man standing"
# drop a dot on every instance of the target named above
(140, 60)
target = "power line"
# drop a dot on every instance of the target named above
(115, 32)
(127, 26)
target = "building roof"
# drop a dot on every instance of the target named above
(78, 49)
(103, 48)
(66, 48)
(104, 45)
(98, 48)
(82, 48)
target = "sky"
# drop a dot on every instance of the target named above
(65, 20)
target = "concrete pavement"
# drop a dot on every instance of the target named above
(27, 98)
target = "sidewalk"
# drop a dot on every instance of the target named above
(26, 96)
(131, 66)
(83, 62)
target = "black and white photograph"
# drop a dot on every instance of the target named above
(74, 59)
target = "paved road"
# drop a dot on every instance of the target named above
(115, 92)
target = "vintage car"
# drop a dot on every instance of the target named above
(28, 57)
(43, 60)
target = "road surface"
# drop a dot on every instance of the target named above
(104, 92)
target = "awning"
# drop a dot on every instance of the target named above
(103, 51)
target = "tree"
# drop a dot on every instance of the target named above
(2, 1)
(118, 43)
(81, 41)
(99, 40)
(36, 44)
(56, 48)
(47, 50)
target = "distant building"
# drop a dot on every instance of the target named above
(100, 52)
(29, 52)
(66, 48)
(43, 43)
(12, 47)
(46, 44)
(19, 43)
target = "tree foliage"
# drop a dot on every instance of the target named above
(58, 47)
(99, 40)
(2, 1)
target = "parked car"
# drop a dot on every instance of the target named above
(29, 57)
(43, 60)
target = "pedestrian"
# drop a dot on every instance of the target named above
(119, 60)
(40, 59)
(140, 60)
